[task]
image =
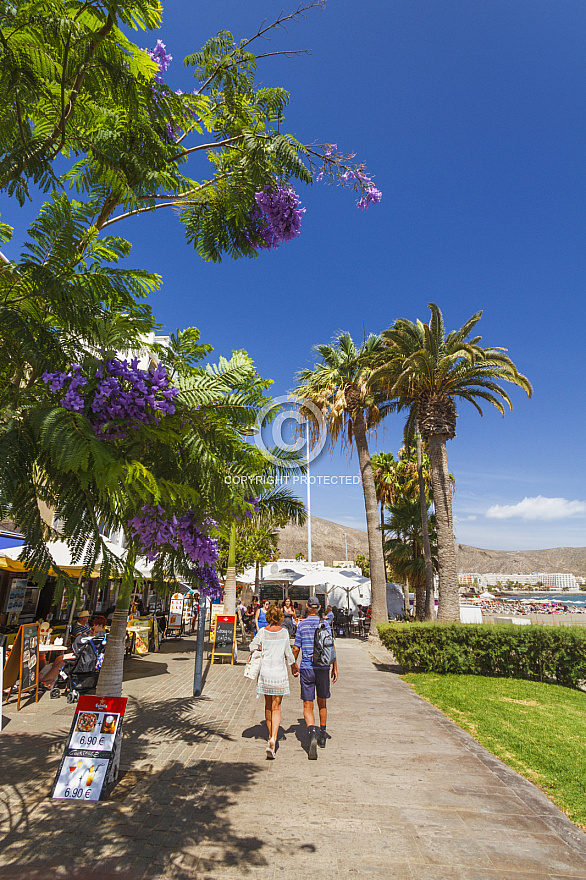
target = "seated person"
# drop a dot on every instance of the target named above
(96, 631)
(81, 628)
(50, 666)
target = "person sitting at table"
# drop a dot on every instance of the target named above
(50, 666)
(81, 628)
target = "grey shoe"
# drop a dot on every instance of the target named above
(322, 738)
(312, 751)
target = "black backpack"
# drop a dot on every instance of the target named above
(323, 646)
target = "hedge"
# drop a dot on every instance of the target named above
(540, 653)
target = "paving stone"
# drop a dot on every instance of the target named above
(398, 793)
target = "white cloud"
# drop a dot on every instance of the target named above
(465, 518)
(538, 508)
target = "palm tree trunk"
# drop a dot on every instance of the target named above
(449, 593)
(110, 680)
(382, 532)
(429, 593)
(419, 587)
(406, 597)
(230, 582)
(378, 581)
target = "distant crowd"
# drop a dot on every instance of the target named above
(254, 618)
(523, 607)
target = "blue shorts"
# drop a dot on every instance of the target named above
(313, 680)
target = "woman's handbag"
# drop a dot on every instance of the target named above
(252, 668)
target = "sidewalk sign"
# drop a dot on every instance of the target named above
(23, 664)
(16, 598)
(92, 751)
(1, 681)
(176, 612)
(224, 637)
(215, 610)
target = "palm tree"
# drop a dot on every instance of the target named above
(385, 480)
(341, 386)
(426, 370)
(404, 548)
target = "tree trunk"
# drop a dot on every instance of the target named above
(382, 533)
(230, 582)
(378, 581)
(110, 680)
(429, 592)
(449, 593)
(406, 597)
(419, 588)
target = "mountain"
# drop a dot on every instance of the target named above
(327, 543)
(566, 560)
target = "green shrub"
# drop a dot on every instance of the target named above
(540, 653)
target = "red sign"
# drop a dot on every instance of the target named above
(101, 704)
(88, 761)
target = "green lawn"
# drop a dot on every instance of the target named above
(537, 729)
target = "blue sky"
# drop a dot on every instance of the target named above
(471, 117)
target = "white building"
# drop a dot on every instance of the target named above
(539, 579)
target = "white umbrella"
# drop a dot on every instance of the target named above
(334, 577)
(486, 595)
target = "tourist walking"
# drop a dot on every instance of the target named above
(289, 617)
(260, 615)
(315, 676)
(273, 679)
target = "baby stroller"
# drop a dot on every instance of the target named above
(81, 675)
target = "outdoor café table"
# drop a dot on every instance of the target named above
(44, 649)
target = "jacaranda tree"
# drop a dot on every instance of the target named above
(83, 108)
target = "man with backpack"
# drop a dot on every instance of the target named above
(315, 641)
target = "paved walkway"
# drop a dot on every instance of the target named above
(399, 792)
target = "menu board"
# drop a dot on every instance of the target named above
(92, 750)
(16, 598)
(23, 663)
(176, 611)
(29, 669)
(224, 636)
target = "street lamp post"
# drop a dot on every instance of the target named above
(201, 625)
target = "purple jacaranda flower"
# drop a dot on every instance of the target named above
(372, 195)
(277, 216)
(208, 581)
(154, 528)
(163, 59)
(124, 398)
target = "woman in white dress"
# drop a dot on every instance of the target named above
(273, 678)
